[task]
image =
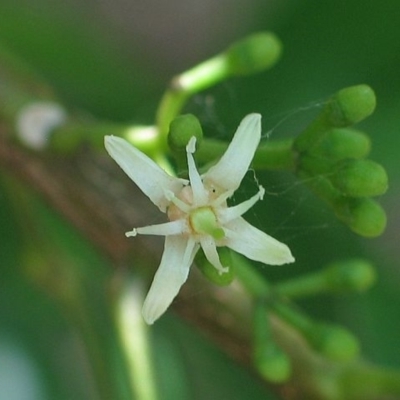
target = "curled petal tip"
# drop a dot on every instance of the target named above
(261, 192)
(131, 233)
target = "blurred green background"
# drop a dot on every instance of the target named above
(113, 59)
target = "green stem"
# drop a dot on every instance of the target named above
(272, 155)
(304, 286)
(135, 341)
(202, 76)
(259, 288)
(293, 317)
(322, 187)
(314, 132)
(275, 155)
(68, 137)
(183, 86)
(253, 282)
(170, 107)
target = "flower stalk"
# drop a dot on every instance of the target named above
(134, 337)
(250, 55)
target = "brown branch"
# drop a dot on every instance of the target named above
(69, 189)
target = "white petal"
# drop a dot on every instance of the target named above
(255, 244)
(210, 251)
(228, 214)
(233, 165)
(199, 193)
(177, 227)
(171, 275)
(151, 179)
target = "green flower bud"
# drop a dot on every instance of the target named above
(342, 143)
(254, 53)
(352, 105)
(363, 215)
(350, 275)
(181, 130)
(334, 342)
(360, 178)
(345, 108)
(315, 164)
(211, 273)
(356, 274)
(269, 359)
(272, 362)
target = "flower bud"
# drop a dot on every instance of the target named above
(360, 178)
(345, 108)
(352, 105)
(211, 273)
(364, 216)
(272, 362)
(342, 143)
(334, 342)
(254, 53)
(350, 275)
(181, 130)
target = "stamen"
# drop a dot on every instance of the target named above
(170, 196)
(231, 213)
(210, 251)
(177, 227)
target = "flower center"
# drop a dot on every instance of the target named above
(203, 221)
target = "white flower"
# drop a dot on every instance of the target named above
(198, 213)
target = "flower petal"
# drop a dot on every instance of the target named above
(177, 227)
(210, 251)
(151, 179)
(200, 196)
(171, 275)
(255, 244)
(233, 165)
(228, 214)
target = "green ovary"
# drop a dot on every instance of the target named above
(204, 221)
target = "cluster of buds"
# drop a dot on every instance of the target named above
(332, 161)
